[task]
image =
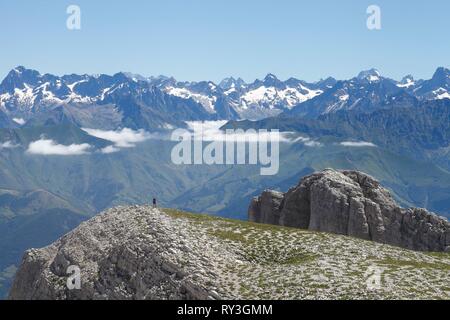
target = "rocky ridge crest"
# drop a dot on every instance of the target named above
(143, 253)
(354, 204)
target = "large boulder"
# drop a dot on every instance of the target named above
(354, 204)
(267, 208)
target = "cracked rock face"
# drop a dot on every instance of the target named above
(124, 253)
(354, 204)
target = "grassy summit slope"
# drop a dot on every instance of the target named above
(285, 263)
(143, 253)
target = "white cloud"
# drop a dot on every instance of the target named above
(312, 143)
(110, 149)
(210, 131)
(7, 145)
(50, 147)
(357, 144)
(19, 121)
(308, 142)
(125, 138)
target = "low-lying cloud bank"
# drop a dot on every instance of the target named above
(109, 149)
(308, 142)
(357, 144)
(7, 145)
(210, 131)
(49, 147)
(124, 138)
(205, 130)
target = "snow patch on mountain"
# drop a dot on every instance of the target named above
(25, 96)
(3, 99)
(407, 82)
(208, 102)
(72, 86)
(371, 75)
(441, 93)
(273, 96)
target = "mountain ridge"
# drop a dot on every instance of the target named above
(149, 102)
(140, 252)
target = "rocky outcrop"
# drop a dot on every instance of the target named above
(354, 204)
(140, 252)
(267, 208)
(124, 253)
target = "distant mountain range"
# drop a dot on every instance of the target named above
(369, 91)
(28, 98)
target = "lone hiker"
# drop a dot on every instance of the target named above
(154, 202)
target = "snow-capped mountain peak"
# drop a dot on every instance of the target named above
(272, 81)
(257, 100)
(442, 75)
(406, 82)
(18, 78)
(372, 75)
(230, 83)
(438, 87)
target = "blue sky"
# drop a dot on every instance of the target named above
(199, 39)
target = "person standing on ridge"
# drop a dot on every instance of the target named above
(154, 202)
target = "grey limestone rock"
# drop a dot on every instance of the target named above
(354, 204)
